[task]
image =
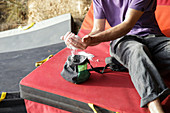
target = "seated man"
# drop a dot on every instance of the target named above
(136, 42)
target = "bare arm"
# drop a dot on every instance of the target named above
(119, 30)
(98, 34)
(98, 26)
(69, 38)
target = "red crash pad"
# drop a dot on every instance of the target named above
(112, 90)
(34, 107)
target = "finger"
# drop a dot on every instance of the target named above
(68, 40)
(70, 35)
(85, 38)
(66, 35)
(77, 43)
(82, 43)
(62, 37)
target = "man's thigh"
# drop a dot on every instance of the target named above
(160, 51)
(127, 49)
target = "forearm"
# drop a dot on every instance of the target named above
(98, 34)
(94, 32)
(110, 34)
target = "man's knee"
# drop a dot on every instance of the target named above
(133, 52)
(132, 48)
(138, 48)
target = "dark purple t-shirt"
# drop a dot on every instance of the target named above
(115, 11)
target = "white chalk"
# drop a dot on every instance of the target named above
(88, 55)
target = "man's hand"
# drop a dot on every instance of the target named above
(72, 40)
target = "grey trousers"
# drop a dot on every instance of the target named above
(148, 60)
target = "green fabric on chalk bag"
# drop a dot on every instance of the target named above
(83, 74)
(82, 67)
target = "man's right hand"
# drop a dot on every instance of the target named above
(72, 41)
(67, 37)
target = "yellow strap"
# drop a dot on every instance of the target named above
(3, 95)
(41, 62)
(32, 24)
(92, 107)
(94, 110)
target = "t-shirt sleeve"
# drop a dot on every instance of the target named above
(142, 5)
(98, 9)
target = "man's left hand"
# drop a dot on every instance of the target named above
(80, 43)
